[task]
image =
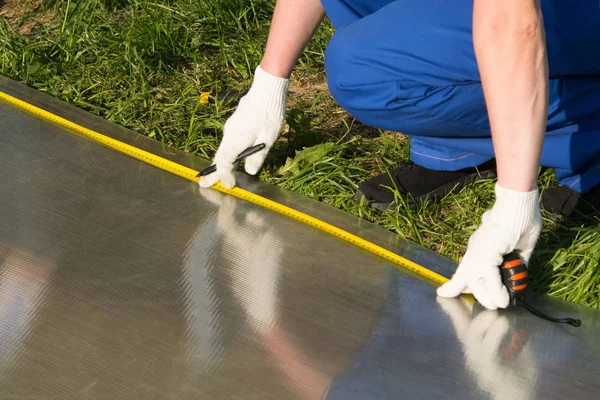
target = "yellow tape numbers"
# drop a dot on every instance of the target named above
(190, 174)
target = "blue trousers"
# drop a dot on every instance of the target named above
(409, 66)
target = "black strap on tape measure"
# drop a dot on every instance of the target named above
(571, 321)
(516, 278)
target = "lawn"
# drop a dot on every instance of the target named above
(145, 64)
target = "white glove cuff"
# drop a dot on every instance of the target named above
(518, 207)
(270, 90)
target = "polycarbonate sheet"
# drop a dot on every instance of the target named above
(122, 281)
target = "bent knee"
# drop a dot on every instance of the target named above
(356, 81)
(384, 95)
(340, 69)
(366, 89)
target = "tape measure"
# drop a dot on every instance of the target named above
(514, 276)
(516, 279)
(191, 174)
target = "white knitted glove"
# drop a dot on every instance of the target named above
(513, 223)
(258, 118)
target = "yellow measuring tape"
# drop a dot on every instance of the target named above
(190, 174)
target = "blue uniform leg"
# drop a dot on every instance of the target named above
(409, 66)
(342, 13)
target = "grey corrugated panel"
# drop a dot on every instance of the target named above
(119, 280)
(319, 210)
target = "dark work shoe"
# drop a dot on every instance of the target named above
(416, 183)
(567, 202)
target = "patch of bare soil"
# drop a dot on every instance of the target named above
(25, 15)
(304, 90)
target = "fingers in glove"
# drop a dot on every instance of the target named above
(489, 290)
(526, 246)
(235, 141)
(496, 290)
(453, 287)
(209, 180)
(224, 173)
(255, 161)
(227, 178)
(478, 286)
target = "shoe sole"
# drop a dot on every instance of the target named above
(435, 195)
(583, 210)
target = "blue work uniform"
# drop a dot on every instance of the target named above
(409, 66)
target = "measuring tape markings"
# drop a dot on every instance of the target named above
(191, 175)
(332, 230)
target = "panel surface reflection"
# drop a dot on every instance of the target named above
(118, 280)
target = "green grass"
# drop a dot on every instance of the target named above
(144, 64)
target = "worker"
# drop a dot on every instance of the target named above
(483, 88)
